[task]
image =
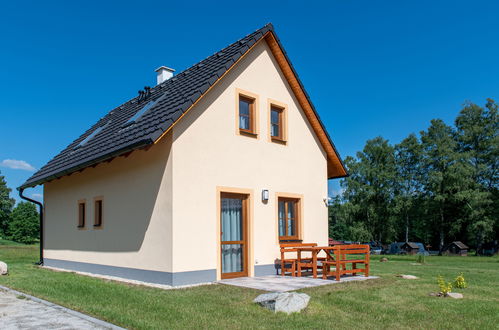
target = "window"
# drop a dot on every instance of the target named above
(90, 136)
(277, 122)
(139, 113)
(246, 115)
(81, 214)
(288, 218)
(98, 213)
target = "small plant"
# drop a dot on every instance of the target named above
(421, 259)
(460, 282)
(445, 287)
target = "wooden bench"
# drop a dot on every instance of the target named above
(292, 263)
(341, 260)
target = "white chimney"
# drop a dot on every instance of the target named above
(164, 73)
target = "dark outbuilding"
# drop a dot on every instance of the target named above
(456, 248)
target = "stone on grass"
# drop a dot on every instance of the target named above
(287, 302)
(455, 295)
(3, 268)
(408, 277)
(384, 259)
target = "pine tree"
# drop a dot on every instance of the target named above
(6, 204)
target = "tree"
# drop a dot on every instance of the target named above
(408, 184)
(369, 188)
(445, 177)
(6, 204)
(478, 140)
(24, 225)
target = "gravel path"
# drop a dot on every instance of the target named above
(19, 311)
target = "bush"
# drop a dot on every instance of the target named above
(24, 224)
(460, 282)
(445, 288)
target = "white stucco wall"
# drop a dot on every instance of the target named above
(207, 153)
(136, 231)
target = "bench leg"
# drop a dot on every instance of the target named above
(283, 269)
(354, 266)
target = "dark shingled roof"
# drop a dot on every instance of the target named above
(412, 245)
(460, 245)
(173, 98)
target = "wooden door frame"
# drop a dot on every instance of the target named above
(245, 213)
(248, 228)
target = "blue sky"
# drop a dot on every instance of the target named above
(371, 67)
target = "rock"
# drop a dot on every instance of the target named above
(455, 295)
(3, 268)
(287, 302)
(383, 259)
(408, 277)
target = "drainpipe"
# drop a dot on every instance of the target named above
(40, 205)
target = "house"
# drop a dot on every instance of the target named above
(196, 179)
(456, 248)
(410, 247)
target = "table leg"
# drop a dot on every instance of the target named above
(314, 263)
(298, 260)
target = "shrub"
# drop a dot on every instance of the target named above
(24, 224)
(421, 258)
(460, 282)
(445, 288)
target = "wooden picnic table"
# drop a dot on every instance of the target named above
(315, 250)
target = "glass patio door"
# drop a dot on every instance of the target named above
(233, 218)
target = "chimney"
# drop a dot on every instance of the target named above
(164, 73)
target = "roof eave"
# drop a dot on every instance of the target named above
(103, 158)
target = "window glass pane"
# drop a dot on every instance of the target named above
(274, 117)
(232, 258)
(274, 130)
(291, 218)
(244, 107)
(232, 219)
(244, 122)
(291, 227)
(282, 220)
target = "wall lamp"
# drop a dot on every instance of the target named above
(265, 195)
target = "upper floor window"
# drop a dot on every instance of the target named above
(246, 115)
(277, 122)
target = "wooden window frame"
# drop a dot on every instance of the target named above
(253, 117)
(298, 217)
(82, 218)
(283, 121)
(98, 214)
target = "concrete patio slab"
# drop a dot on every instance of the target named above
(277, 283)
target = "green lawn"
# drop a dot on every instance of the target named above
(389, 302)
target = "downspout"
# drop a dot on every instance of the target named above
(40, 205)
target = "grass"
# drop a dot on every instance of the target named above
(389, 302)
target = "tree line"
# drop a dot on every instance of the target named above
(435, 187)
(19, 223)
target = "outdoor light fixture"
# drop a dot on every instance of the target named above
(265, 195)
(327, 200)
